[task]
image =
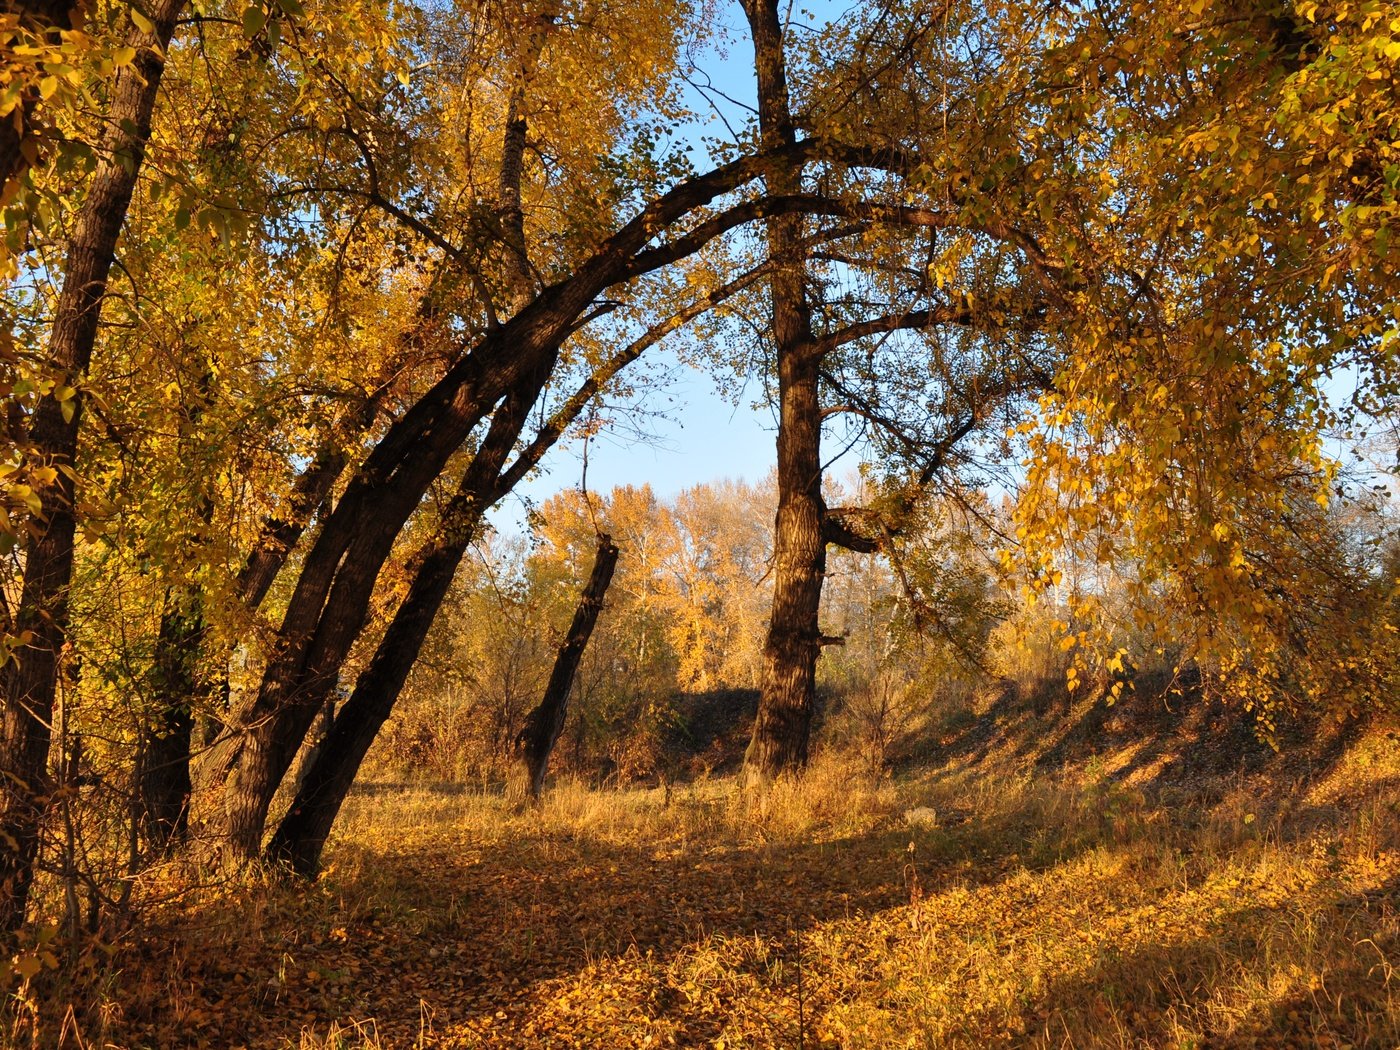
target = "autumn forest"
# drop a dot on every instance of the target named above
(1043, 694)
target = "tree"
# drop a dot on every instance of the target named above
(29, 684)
(1185, 433)
(544, 724)
(470, 221)
(511, 358)
(497, 364)
(989, 282)
(714, 587)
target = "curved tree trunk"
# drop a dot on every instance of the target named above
(30, 682)
(301, 837)
(544, 724)
(331, 599)
(336, 600)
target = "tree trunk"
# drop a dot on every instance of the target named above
(30, 681)
(331, 599)
(333, 593)
(788, 698)
(163, 758)
(301, 837)
(279, 535)
(179, 687)
(315, 742)
(544, 724)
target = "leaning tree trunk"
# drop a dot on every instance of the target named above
(337, 577)
(331, 600)
(301, 837)
(30, 682)
(333, 593)
(788, 698)
(544, 724)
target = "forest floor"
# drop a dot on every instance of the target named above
(986, 898)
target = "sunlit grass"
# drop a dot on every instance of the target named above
(1030, 912)
(975, 905)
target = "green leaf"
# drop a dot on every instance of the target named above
(142, 22)
(254, 18)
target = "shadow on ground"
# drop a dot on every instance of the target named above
(446, 937)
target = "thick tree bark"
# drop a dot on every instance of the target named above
(300, 838)
(544, 724)
(46, 17)
(332, 596)
(788, 699)
(315, 741)
(30, 682)
(340, 588)
(280, 533)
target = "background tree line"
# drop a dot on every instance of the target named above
(928, 634)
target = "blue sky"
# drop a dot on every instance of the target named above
(694, 437)
(692, 434)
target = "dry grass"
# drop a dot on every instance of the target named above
(973, 905)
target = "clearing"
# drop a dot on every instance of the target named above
(1062, 888)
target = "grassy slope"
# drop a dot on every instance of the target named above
(1043, 880)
